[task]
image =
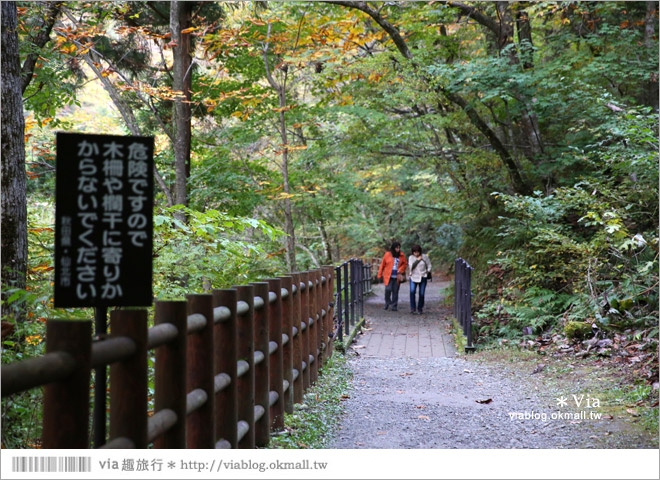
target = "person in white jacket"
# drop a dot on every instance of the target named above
(419, 267)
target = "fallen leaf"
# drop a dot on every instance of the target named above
(405, 374)
(359, 346)
(382, 433)
(420, 406)
(400, 391)
(423, 417)
(488, 400)
(467, 371)
(608, 417)
(632, 412)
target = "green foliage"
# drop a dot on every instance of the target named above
(315, 419)
(212, 250)
(585, 252)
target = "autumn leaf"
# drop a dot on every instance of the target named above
(189, 30)
(284, 109)
(293, 148)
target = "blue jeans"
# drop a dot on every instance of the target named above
(392, 292)
(422, 290)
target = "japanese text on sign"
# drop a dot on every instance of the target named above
(104, 225)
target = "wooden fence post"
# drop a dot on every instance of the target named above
(201, 423)
(322, 305)
(128, 379)
(276, 367)
(298, 339)
(287, 354)
(66, 403)
(330, 302)
(245, 383)
(303, 286)
(261, 377)
(226, 358)
(170, 373)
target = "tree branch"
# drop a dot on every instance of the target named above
(480, 17)
(390, 29)
(43, 35)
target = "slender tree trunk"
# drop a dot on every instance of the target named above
(526, 57)
(327, 251)
(181, 19)
(288, 214)
(14, 200)
(649, 94)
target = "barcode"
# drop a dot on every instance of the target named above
(51, 464)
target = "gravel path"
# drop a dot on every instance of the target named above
(450, 402)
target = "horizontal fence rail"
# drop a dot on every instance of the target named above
(227, 365)
(463, 299)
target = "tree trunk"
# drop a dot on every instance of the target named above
(526, 55)
(649, 94)
(327, 251)
(14, 200)
(288, 215)
(181, 19)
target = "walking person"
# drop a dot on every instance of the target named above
(392, 270)
(420, 272)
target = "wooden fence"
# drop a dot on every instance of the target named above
(228, 365)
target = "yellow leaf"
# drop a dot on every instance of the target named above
(189, 30)
(297, 147)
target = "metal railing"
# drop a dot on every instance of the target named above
(463, 299)
(353, 283)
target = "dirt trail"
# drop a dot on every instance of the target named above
(411, 390)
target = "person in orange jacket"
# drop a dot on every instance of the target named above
(393, 265)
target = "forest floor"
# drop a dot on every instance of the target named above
(411, 396)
